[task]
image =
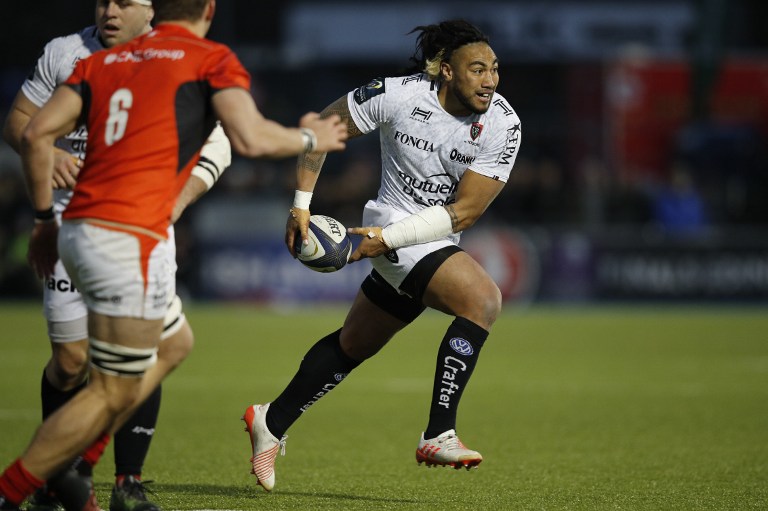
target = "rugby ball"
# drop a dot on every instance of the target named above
(329, 245)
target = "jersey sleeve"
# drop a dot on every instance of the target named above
(226, 71)
(368, 106)
(39, 86)
(500, 152)
(77, 77)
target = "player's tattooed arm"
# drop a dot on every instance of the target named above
(341, 108)
(454, 217)
(313, 162)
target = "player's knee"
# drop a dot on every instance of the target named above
(69, 363)
(485, 304)
(121, 399)
(494, 303)
(176, 348)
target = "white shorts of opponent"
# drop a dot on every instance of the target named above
(114, 255)
(395, 269)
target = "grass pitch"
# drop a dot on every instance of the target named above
(577, 409)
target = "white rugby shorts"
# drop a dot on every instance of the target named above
(63, 307)
(395, 269)
(67, 315)
(105, 265)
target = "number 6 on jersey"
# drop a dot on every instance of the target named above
(119, 104)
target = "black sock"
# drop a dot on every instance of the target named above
(324, 366)
(52, 398)
(133, 438)
(456, 359)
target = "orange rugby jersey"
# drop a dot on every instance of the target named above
(147, 108)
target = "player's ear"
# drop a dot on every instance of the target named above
(210, 10)
(150, 15)
(446, 73)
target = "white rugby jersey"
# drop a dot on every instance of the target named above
(424, 149)
(53, 67)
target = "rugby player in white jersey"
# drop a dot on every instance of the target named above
(63, 306)
(448, 145)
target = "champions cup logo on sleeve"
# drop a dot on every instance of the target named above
(366, 92)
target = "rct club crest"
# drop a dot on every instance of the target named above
(475, 130)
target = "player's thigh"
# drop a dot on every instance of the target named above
(115, 391)
(132, 333)
(461, 287)
(367, 328)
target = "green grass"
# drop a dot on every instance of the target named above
(572, 408)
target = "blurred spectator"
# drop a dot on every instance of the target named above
(678, 207)
(594, 181)
(553, 201)
(627, 202)
(515, 202)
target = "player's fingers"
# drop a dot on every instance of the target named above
(290, 238)
(362, 231)
(355, 256)
(34, 262)
(70, 180)
(308, 118)
(304, 232)
(59, 183)
(47, 268)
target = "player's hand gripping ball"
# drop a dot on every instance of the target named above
(329, 245)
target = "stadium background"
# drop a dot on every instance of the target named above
(642, 174)
(657, 403)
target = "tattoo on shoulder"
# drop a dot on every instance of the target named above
(453, 215)
(340, 108)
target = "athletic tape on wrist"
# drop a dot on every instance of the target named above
(302, 199)
(427, 225)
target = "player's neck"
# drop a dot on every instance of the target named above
(199, 27)
(450, 104)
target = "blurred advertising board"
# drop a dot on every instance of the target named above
(720, 269)
(645, 265)
(528, 265)
(263, 270)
